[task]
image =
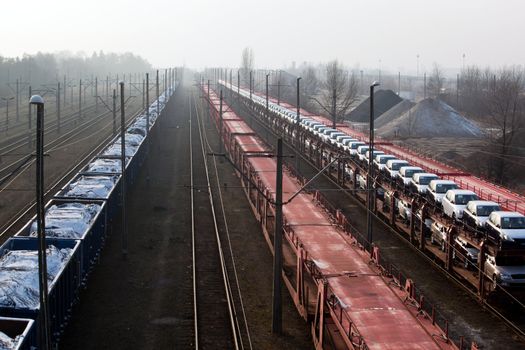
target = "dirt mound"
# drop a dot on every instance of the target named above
(430, 118)
(393, 113)
(383, 101)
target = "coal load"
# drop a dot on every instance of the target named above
(393, 113)
(383, 101)
(430, 118)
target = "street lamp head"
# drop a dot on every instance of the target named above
(36, 100)
(299, 78)
(375, 83)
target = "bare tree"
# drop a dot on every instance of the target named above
(471, 91)
(339, 91)
(310, 82)
(505, 106)
(436, 81)
(247, 63)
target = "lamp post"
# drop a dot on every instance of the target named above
(370, 178)
(45, 334)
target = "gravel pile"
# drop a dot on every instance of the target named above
(430, 118)
(393, 113)
(383, 101)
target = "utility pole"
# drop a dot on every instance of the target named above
(220, 123)
(250, 85)
(107, 88)
(277, 322)
(267, 75)
(157, 85)
(148, 119)
(238, 82)
(45, 334)
(65, 88)
(297, 119)
(96, 94)
(58, 107)
(143, 94)
(80, 99)
(29, 110)
(398, 83)
(209, 103)
(114, 112)
(124, 228)
(231, 82)
(370, 178)
(17, 100)
(279, 89)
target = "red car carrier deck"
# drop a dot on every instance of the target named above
(353, 299)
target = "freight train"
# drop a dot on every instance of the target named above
(78, 220)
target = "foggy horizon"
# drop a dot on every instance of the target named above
(206, 33)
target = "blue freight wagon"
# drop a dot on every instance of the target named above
(108, 165)
(94, 187)
(84, 220)
(19, 296)
(22, 332)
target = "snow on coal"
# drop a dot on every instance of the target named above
(383, 101)
(430, 118)
(393, 113)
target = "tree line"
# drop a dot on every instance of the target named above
(45, 68)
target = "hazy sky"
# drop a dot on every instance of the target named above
(202, 33)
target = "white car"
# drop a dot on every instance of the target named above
(437, 189)
(477, 213)
(507, 226)
(361, 150)
(393, 166)
(406, 172)
(344, 142)
(455, 201)
(381, 159)
(375, 153)
(352, 147)
(420, 181)
(334, 136)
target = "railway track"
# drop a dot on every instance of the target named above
(13, 142)
(53, 144)
(215, 321)
(72, 137)
(49, 124)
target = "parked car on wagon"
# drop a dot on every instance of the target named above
(393, 166)
(381, 159)
(506, 271)
(477, 213)
(438, 234)
(507, 226)
(465, 253)
(455, 201)
(405, 174)
(437, 189)
(420, 181)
